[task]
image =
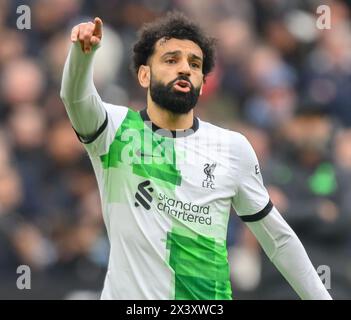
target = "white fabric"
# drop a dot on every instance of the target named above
(285, 250)
(251, 196)
(78, 93)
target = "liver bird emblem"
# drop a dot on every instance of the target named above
(209, 171)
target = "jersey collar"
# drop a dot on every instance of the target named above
(166, 132)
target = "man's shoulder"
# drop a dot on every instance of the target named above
(122, 117)
(114, 108)
(214, 130)
(120, 112)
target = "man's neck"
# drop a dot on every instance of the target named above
(166, 119)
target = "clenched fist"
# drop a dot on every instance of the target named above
(88, 33)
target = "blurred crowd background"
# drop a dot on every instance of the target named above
(279, 80)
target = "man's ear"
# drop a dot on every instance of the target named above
(202, 85)
(144, 76)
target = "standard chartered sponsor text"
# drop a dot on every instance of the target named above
(186, 211)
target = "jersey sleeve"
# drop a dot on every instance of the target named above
(251, 201)
(94, 121)
(98, 144)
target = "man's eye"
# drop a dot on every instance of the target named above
(195, 65)
(171, 61)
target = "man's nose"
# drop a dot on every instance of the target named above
(184, 68)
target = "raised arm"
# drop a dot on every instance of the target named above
(78, 93)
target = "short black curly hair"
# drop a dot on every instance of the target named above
(174, 25)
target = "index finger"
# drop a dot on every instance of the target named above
(98, 26)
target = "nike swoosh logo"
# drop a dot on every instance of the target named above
(141, 154)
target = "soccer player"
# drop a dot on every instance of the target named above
(167, 179)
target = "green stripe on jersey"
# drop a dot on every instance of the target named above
(200, 265)
(133, 137)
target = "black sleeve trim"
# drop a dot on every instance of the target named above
(87, 140)
(259, 215)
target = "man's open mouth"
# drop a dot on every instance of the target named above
(182, 85)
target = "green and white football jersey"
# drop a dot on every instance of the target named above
(166, 198)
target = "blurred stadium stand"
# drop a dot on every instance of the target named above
(279, 80)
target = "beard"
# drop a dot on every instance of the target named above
(167, 98)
